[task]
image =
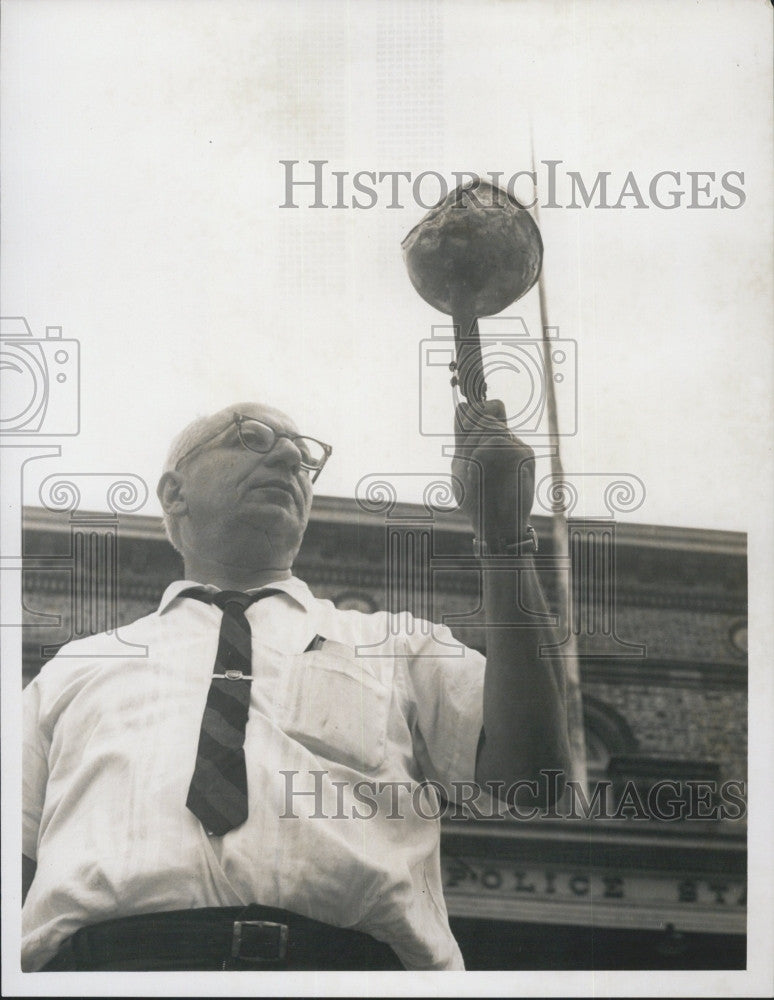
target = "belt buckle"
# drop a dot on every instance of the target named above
(237, 941)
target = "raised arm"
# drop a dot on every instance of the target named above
(525, 716)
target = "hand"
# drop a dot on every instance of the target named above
(496, 471)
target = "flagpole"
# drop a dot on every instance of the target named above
(559, 531)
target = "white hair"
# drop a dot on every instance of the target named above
(193, 434)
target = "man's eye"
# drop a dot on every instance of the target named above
(256, 440)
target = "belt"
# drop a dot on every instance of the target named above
(248, 938)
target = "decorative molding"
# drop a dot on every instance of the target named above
(629, 917)
(461, 583)
(665, 672)
(461, 578)
(693, 847)
(346, 512)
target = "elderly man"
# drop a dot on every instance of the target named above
(244, 796)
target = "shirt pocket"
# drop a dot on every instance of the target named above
(336, 708)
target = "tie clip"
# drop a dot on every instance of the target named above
(234, 675)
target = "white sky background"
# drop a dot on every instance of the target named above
(141, 193)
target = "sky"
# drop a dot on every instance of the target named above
(143, 181)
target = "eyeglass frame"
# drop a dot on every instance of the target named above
(238, 419)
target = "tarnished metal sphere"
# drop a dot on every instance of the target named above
(475, 253)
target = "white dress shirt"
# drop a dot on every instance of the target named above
(110, 745)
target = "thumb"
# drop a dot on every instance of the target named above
(476, 419)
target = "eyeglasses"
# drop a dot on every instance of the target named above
(259, 437)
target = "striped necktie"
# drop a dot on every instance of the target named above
(217, 795)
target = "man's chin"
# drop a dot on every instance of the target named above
(279, 523)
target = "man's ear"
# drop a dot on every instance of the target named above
(170, 493)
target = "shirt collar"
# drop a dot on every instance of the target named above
(292, 586)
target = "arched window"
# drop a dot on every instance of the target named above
(607, 734)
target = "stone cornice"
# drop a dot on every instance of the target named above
(344, 511)
(665, 672)
(656, 567)
(719, 847)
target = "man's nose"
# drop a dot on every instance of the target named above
(285, 453)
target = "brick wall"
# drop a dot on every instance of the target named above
(683, 722)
